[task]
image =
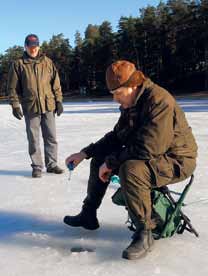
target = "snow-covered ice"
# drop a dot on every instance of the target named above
(34, 240)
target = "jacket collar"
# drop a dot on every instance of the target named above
(27, 59)
(147, 85)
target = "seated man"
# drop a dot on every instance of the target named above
(151, 145)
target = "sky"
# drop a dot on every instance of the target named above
(47, 17)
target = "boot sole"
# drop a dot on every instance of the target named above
(56, 172)
(126, 255)
(135, 256)
(83, 226)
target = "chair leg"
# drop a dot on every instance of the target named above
(178, 205)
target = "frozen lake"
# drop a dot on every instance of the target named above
(33, 239)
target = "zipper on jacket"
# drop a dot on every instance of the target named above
(37, 83)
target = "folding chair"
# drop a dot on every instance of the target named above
(166, 211)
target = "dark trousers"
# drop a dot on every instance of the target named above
(96, 188)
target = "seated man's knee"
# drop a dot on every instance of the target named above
(96, 162)
(133, 168)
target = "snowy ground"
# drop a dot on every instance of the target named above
(33, 239)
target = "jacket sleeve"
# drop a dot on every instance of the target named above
(13, 86)
(56, 86)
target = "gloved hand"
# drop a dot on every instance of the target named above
(17, 112)
(59, 108)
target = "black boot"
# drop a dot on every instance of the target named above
(56, 170)
(87, 219)
(142, 244)
(36, 173)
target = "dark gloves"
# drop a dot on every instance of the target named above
(59, 108)
(16, 111)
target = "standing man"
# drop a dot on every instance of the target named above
(34, 83)
(150, 146)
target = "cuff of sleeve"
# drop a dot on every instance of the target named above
(59, 98)
(15, 105)
(89, 150)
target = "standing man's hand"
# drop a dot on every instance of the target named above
(104, 172)
(59, 108)
(17, 112)
(76, 158)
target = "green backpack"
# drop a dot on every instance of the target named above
(166, 211)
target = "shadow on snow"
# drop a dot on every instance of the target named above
(15, 173)
(29, 230)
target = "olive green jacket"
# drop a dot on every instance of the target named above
(154, 129)
(35, 84)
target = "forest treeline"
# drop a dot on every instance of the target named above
(169, 43)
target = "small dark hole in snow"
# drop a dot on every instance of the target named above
(81, 249)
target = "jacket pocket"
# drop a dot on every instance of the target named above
(163, 170)
(50, 102)
(29, 105)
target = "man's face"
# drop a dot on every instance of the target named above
(32, 51)
(125, 96)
